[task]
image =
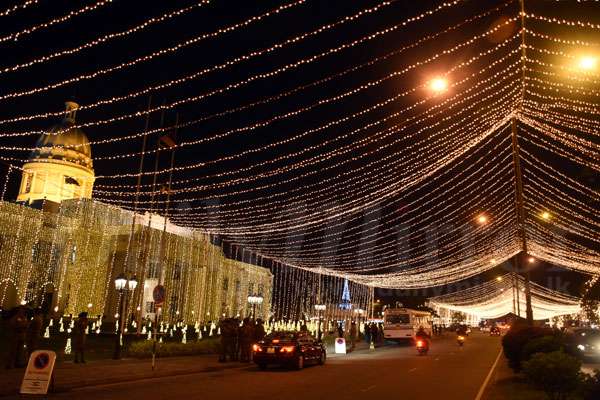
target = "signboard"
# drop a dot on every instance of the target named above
(340, 346)
(158, 294)
(38, 375)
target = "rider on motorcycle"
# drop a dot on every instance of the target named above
(423, 336)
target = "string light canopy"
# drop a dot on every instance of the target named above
(497, 298)
(366, 147)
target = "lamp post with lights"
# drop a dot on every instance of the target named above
(254, 300)
(319, 308)
(123, 286)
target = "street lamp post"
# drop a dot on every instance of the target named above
(319, 308)
(254, 300)
(122, 285)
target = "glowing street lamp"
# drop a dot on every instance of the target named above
(531, 260)
(254, 300)
(438, 85)
(482, 219)
(587, 63)
(545, 215)
(499, 278)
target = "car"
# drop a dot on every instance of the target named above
(495, 331)
(587, 342)
(291, 349)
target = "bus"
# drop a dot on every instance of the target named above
(403, 323)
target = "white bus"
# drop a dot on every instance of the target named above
(402, 323)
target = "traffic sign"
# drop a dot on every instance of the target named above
(158, 294)
(38, 374)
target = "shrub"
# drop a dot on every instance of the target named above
(556, 373)
(515, 341)
(143, 348)
(591, 386)
(544, 344)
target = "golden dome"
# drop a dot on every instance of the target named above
(64, 142)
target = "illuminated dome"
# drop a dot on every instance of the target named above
(60, 166)
(64, 142)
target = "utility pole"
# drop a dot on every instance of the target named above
(520, 258)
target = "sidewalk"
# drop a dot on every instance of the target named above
(69, 375)
(505, 384)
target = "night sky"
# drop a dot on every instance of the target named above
(216, 114)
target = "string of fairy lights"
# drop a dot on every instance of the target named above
(341, 179)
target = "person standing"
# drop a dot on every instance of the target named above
(79, 337)
(352, 335)
(246, 338)
(259, 331)
(17, 326)
(34, 331)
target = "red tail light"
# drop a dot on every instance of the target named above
(419, 343)
(256, 348)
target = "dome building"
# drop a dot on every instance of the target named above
(60, 167)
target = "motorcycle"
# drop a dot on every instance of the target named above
(422, 347)
(460, 339)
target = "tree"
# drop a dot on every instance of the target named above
(458, 317)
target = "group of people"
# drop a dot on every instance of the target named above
(24, 328)
(237, 340)
(24, 333)
(374, 333)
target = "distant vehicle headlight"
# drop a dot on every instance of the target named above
(581, 347)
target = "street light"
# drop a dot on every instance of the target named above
(122, 284)
(587, 63)
(319, 308)
(438, 85)
(545, 215)
(254, 300)
(482, 219)
(499, 278)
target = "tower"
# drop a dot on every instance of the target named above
(346, 304)
(60, 166)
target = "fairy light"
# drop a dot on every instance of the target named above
(25, 32)
(282, 69)
(17, 7)
(181, 45)
(106, 38)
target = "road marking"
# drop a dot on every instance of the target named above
(488, 377)
(367, 389)
(412, 369)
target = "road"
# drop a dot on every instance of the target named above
(447, 372)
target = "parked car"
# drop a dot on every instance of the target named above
(495, 331)
(291, 349)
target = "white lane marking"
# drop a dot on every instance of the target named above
(367, 389)
(412, 369)
(488, 377)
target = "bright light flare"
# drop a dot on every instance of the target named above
(499, 278)
(438, 85)
(482, 219)
(588, 63)
(531, 260)
(545, 215)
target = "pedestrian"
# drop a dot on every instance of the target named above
(340, 330)
(227, 340)
(246, 338)
(367, 333)
(34, 331)
(374, 332)
(79, 337)
(259, 331)
(352, 335)
(380, 334)
(17, 330)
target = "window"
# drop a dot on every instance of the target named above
(152, 272)
(238, 286)
(71, 181)
(177, 271)
(250, 288)
(28, 180)
(397, 319)
(73, 253)
(149, 307)
(261, 289)
(225, 283)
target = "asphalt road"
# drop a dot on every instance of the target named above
(392, 372)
